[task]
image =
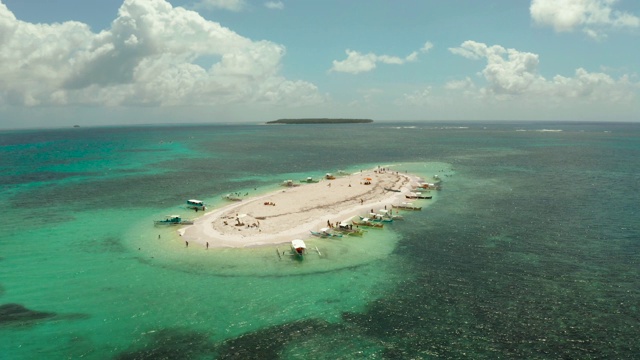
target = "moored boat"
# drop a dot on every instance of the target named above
(376, 218)
(346, 228)
(324, 233)
(231, 197)
(173, 220)
(299, 248)
(407, 206)
(328, 176)
(369, 223)
(196, 204)
(289, 183)
(418, 195)
(393, 190)
(389, 215)
(309, 180)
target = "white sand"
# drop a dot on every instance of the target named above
(297, 210)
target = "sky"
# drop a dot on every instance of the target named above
(128, 62)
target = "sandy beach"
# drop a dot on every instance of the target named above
(290, 212)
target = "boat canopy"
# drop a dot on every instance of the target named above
(297, 244)
(173, 216)
(324, 229)
(193, 201)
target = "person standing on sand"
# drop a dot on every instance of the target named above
(207, 245)
(186, 243)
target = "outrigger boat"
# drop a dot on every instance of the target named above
(324, 233)
(299, 248)
(393, 190)
(369, 223)
(329, 176)
(429, 186)
(289, 183)
(376, 218)
(196, 205)
(388, 215)
(407, 206)
(348, 229)
(172, 220)
(309, 180)
(231, 197)
(418, 195)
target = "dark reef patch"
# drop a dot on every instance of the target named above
(18, 315)
(171, 344)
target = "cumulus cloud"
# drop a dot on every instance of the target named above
(594, 17)
(511, 73)
(274, 5)
(357, 62)
(151, 55)
(232, 5)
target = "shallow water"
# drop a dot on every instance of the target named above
(530, 251)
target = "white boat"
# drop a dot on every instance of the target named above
(299, 248)
(289, 183)
(172, 220)
(195, 204)
(388, 215)
(407, 206)
(324, 233)
(231, 197)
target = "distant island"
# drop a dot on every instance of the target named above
(320, 121)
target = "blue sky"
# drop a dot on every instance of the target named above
(171, 61)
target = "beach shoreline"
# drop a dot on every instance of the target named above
(291, 212)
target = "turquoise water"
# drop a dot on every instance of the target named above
(531, 250)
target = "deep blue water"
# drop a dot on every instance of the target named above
(531, 251)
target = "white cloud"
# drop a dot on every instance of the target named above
(426, 47)
(357, 62)
(274, 5)
(510, 74)
(232, 5)
(149, 56)
(594, 17)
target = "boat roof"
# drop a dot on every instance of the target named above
(194, 201)
(384, 211)
(325, 229)
(172, 216)
(365, 219)
(297, 243)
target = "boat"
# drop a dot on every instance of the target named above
(388, 215)
(309, 180)
(299, 248)
(428, 186)
(196, 205)
(393, 190)
(376, 217)
(417, 195)
(172, 220)
(289, 183)
(324, 233)
(329, 176)
(369, 223)
(348, 229)
(407, 206)
(231, 197)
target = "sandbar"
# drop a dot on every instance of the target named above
(291, 212)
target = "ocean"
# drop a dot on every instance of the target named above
(531, 249)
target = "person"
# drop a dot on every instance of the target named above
(207, 245)
(158, 236)
(186, 243)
